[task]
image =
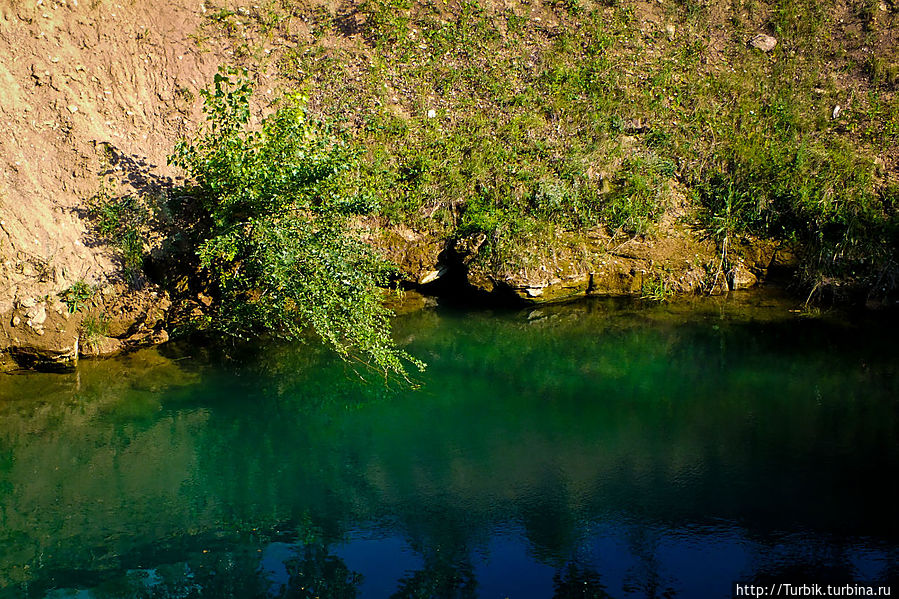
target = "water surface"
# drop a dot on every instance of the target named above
(590, 450)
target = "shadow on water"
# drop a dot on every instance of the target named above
(589, 450)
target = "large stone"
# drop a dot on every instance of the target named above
(37, 316)
(416, 254)
(102, 346)
(46, 359)
(763, 42)
(742, 278)
(432, 276)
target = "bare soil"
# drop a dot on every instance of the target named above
(93, 95)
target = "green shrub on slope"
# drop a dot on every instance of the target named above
(277, 245)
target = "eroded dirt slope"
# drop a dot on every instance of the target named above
(92, 96)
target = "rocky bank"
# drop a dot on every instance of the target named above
(95, 94)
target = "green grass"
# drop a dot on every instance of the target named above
(94, 327)
(570, 115)
(656, 287)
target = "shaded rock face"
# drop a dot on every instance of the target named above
(574, 265)
(741, 277)
(56, 359)
(416, 253)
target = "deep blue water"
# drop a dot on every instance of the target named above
(589, 450)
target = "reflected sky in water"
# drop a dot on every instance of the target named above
(589, 450)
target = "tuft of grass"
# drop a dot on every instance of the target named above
(122, 222)
(94, 327)
(656, 287)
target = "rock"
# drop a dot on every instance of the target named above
(763, 42)
(28, 302)
(836, 112)
(120, 327)
(60, 308)
(605, 186)
(670, 31)
(615, 281)
(540, 290)
(467, 248)
(102, 346)
(432, 276)
(786, 257)
(483, 281)
(719, 285)
(741, 277)
(36, 316)
(417, 255)
(46, 359)
(132, 319)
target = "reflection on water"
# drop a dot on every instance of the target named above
(591, 450)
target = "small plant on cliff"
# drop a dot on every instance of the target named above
(275, 237)
(76, 295)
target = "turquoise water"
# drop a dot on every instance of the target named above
(590, 450)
